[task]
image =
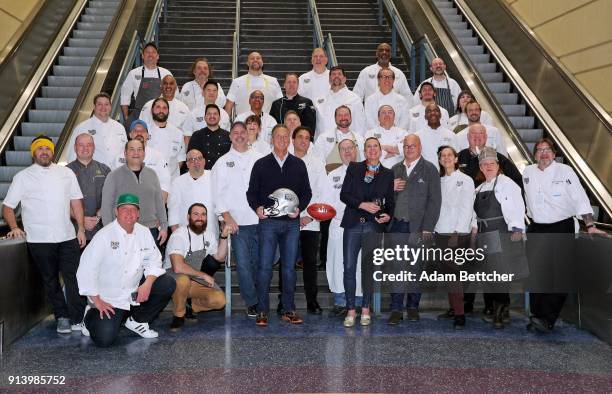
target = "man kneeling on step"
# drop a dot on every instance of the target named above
(193, 257)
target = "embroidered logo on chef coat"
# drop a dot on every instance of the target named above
(306, 80)
(330, 139)
(114, 244)
(415, 114)
(122, 160)
(229, 163)
(92, 131)
(338, 186)
(372, 76)
(336, 179)
(301, 105)
(137, 77)
(320, 100)
(526, 180)
(459, 183)
(187, 93)
(420, 180)
(377, 135)
(200, 119)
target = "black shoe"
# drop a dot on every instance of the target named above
(488, 311)
(314, 308)
(413, 314)
(395, 318)
(279, 309)
(189, 313)
(468, 308)
(540, 325)
(177, 323)
(459, 322)
(506, 314)
(338, 311)
(449, 314)
(498, 316)
(252, 311)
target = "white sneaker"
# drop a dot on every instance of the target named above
(141, 329)
(81, 326)
(77, 327)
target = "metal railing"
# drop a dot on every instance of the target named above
(318, 39)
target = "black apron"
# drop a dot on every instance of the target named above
(149, 89)
(444, 98)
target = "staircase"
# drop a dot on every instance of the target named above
(515, 110)
(198, 28)
(279, 30)
(356, 34)
(50, 110)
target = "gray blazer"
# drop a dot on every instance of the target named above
(419, 203)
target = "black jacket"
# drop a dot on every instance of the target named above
(355, 191)
(302, 105)
(468, 164)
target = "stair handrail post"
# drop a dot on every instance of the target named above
(131, 60)
(331, 51)
(393, 39)
(413, 54)
(228, 278)
(165, 11)
(317, 32)
(380, 12)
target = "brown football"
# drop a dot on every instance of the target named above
(320, 211)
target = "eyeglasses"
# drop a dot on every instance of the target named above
(195, 159)
(387, 77)
(412, 146)
(543, 150)
(257, 97)
(347, 149)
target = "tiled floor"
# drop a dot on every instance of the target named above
(219, 356)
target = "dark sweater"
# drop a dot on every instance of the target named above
(267, 176)
(468, 164)
(302, 105)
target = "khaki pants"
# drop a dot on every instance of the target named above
(202, 298)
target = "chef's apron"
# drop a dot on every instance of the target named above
(149, 89)
(444, 98)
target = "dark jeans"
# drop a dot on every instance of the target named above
(51, 259)
(324, 226)
(245, 244)
(104, 331)
(397, 299)
(309, 241)
(351, 243)
(286, 235)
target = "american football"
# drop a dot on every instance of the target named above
(320, 211)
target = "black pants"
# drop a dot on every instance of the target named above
(51, 259)
(309, 242)
(104, 331)
(324, 226)
(547, 306)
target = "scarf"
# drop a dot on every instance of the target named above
(371, 172)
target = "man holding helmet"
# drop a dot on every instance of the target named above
(279, 224)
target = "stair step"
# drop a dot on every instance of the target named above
(65, 81)
(507, 98)
(54, 103)
(70, 71)
(60, 92)
(522, 122)
(31, 129)
(47, 116)
(18, 158)
(76, 61)
(530, 135)
(499, 87)
(515, 109)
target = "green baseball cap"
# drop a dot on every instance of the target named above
(128, 198)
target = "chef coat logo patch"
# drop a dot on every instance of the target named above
(306, 80)
(372, 76)
(526, 180)
(338, 186)
(415, 115)
(92, 131)
(377, 135)
(301, 105)
(336, 179)
(459, 183)
(122, 160)
(200, 119)
(187, 93)
(230, 164)
(330, 139)
(320, 100)
(137, 77)
(114, 245)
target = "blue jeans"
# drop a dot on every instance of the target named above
(245, 244)
(351, 243)
(397, 299)
(340, 299)
(286, 235)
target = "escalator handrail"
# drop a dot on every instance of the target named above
(331, 50)
(316, 24)
(39, 77)
(17, 38)
(587, 175)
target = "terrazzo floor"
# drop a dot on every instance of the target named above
(215, 355)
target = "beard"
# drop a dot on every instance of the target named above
(160, 117)
(197, 226)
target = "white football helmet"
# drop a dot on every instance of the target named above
(285, 202)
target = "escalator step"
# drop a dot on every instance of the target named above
(76, 60)
(91, 26)
(522, 122)
(453, 18)
(18, 158)
(514, 109)
(83, 52)
(60, 92)
(34, 129)
(499, 87)
(100, 11)
(22, 142)
(530, 135)
(468, 41)
(4, 186)
(462, 32)
(65, 81)
(458, 25)
(507, 98)
(70, 71)
(480, 58)
(8, 172)
(84, 42)
(97, 18)
(473, 49)
(89, 33)
(47, 116)
(103, 4)
(55, 103)
(492, 77)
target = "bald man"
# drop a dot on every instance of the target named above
(178, 109)
(315, 83)
(447, 89)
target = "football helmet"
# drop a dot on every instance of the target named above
(285, 202)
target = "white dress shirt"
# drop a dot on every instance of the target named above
(231, 175)
(170, 143)
(418, 121)
(327, 141)
(393, 136)
(192, 95)
(313, 85)
(554, 194)
(196, 121)
(317, 176)
(494, 140)
(509, 196)
(45, 194)
(178, 243)
(242, 87)
(267, 124)
(367, 82)
(109, 139)
(154, 160)
(326, 108)
(177, 113)
(457, 204)
(113, 263)
(400, 105)
(184, 192)
(131, 85)
(432, 139)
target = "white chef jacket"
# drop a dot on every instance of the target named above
(457, 204)
(114, 262)
(196, 121)
(367, 83)
(317, 176)
(494, 140)
(400, 105)
(432, 139)
(109, 139)
(154, 160)
(326, 108)
(132, 82)
(455, 89)
(45, 194)
(170, 143)
(177, 113)
(231, 175)
(178, 243)
(192, 95)
(327, 141)
(267, 124)
(393, 136)
(554, 194)
(261, 146)
(461, 118)
(184, 192)
(312, 85)
(509, 196)
(418, 121)
(242, 87)
(312, 151)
